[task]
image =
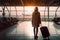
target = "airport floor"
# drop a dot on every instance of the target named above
(24, 31)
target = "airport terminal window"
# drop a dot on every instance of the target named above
(0, 11)
(27, 11)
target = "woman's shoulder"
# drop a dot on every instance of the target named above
(38, 12)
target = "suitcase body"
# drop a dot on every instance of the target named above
(44, 31)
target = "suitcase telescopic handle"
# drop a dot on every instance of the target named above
(41, 25)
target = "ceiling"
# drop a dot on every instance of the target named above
(29, 2)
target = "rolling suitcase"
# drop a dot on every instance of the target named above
(45, 32)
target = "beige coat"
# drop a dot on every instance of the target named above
(36, 20)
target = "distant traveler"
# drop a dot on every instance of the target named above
(3, 12)
(36, 20)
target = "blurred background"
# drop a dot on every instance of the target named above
(16, 23)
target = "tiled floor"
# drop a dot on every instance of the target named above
(24, 31)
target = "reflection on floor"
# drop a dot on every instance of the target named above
(24, 31)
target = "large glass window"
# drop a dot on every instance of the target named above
(28, 10)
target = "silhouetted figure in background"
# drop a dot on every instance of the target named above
(3, 14)
(36, 20)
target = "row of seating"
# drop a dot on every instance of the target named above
(57, 20)
(6, 22)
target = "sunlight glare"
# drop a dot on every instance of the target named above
(30, 8)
